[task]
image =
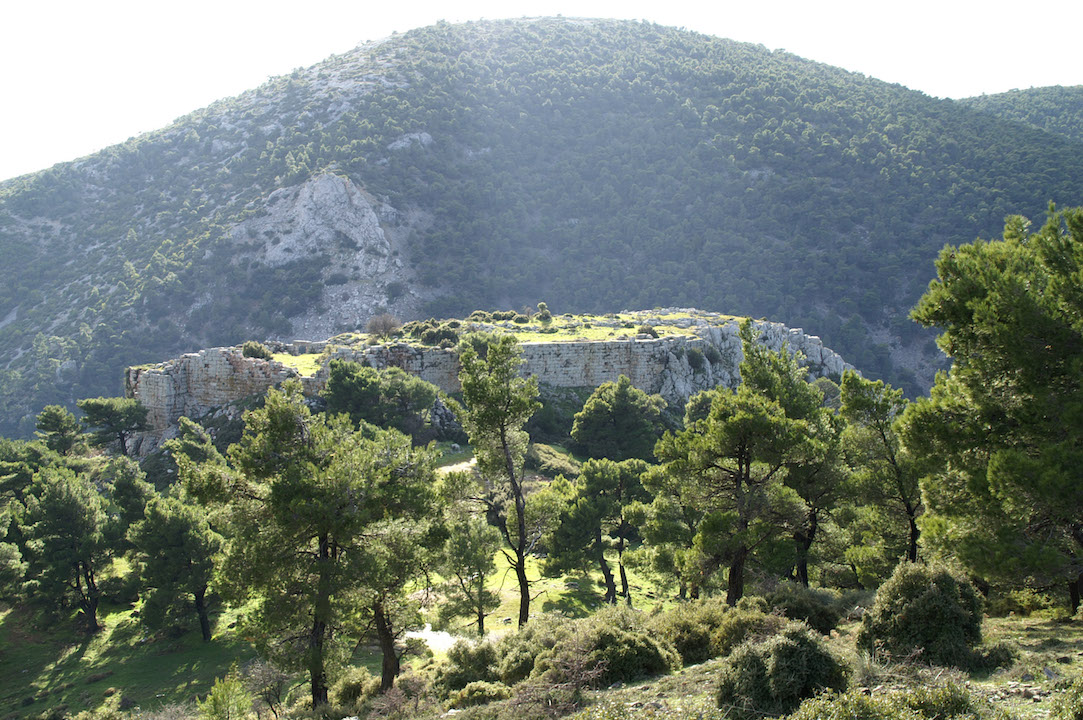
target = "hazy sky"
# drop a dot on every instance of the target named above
(79, 76)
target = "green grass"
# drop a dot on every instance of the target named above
(42, 669)
(308, 364)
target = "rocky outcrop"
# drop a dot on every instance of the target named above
(675, 366)
(359, 237)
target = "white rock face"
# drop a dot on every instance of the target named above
(329, 216)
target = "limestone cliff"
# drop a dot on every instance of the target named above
(673, 365)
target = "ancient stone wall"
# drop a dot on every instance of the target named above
(197, 383)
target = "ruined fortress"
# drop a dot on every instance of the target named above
(673, 365)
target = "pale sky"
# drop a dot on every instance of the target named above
(79, 76)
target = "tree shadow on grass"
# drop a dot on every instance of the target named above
(576, 597)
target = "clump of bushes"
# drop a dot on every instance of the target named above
(773, 677)
(255, 349)
(689, 628)
(479, 693)
(433, 332)
(937, 703)
(696, 359)
(615, 644)
(819, 607)
(925, 609)
(647, 330)
(749, 620)
(354, 687)
(467, 663)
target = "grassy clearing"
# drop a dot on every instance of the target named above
(308, 364)
(122, 666)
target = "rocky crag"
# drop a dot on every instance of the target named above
(705, 355)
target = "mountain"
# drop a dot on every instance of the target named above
(592, 164)
(1057, 109)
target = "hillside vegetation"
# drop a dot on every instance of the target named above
(1055, 109)
(594, 164)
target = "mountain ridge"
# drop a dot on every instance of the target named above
(589, 163)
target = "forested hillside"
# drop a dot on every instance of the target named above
(592, 164)
(1056, 109)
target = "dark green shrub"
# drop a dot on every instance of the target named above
(353, 687)
(696, 359)
(615, 641)
(713, 355)
(689, 628)
(467, 663)
(255, 349)
(647, 330)
(520, 319)
(439, 336)
(480, 316)
(749, 620)
(504, 315)
(820, 608)
(479, 693)
(927, 610)
(773, 677)
(630, 654)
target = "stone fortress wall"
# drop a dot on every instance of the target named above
(199, 383)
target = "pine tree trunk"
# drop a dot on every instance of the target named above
(804, 539)
(912, 551)
(389, 668)
(204, 616)
(735, 588)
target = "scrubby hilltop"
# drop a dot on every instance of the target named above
(592, 164)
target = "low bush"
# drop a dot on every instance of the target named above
(944, 702)
(255, 349)
(479, 693)
(647, 330)
(467, 663)
(696, 359)
(772, 677)
(820, 608)
(1024, 602)
(442, 336)
(927, 611)
(749, 620)
(689, 628)
(353, 687)
(614, 641)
